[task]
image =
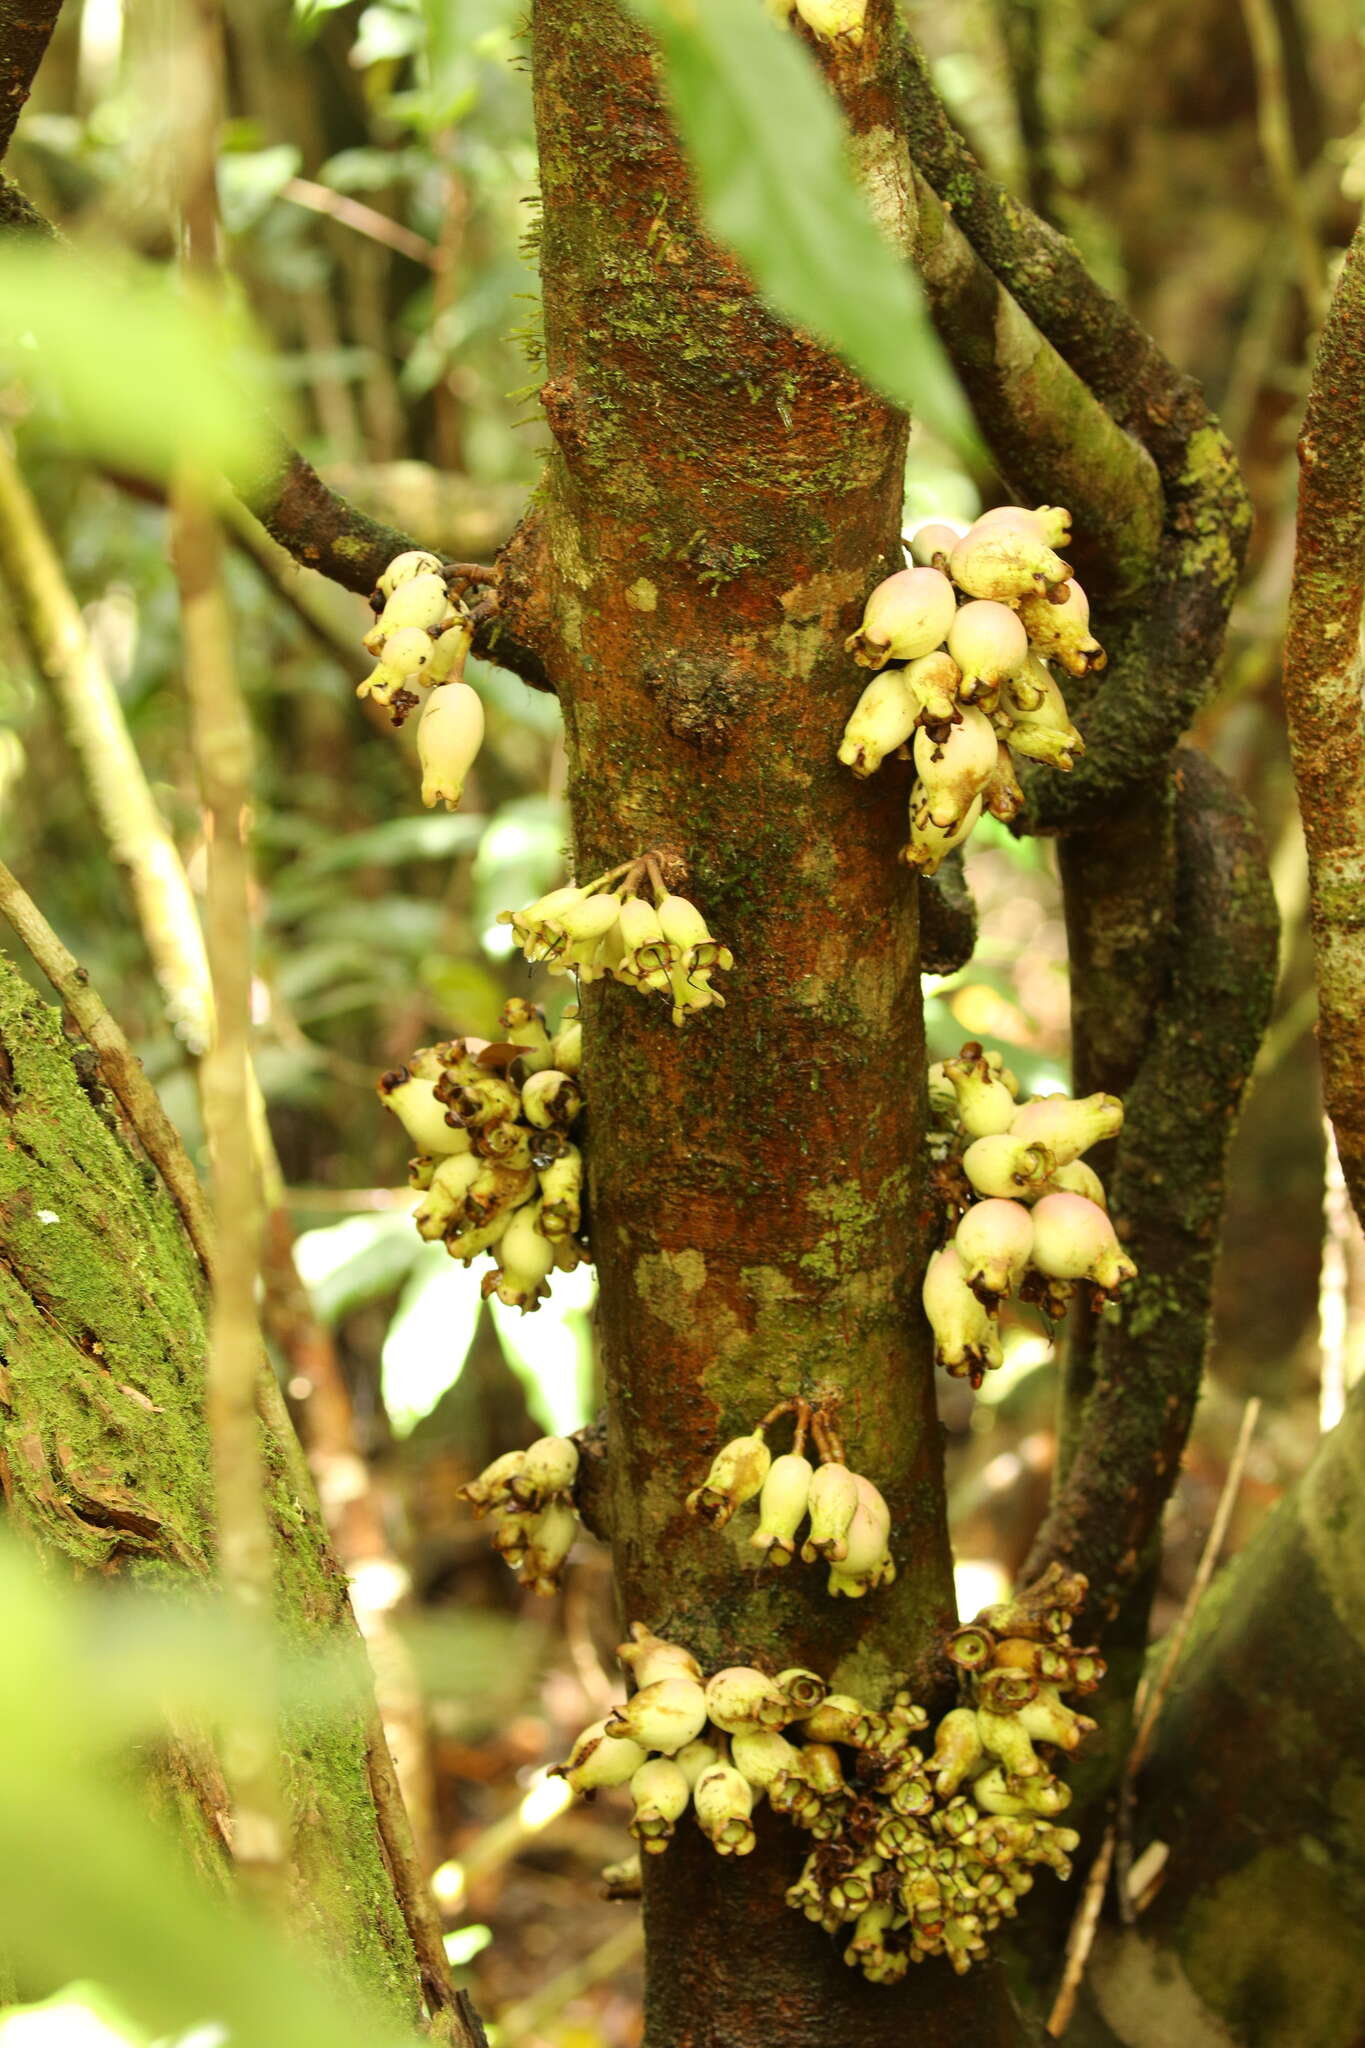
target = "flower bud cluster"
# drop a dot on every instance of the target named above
(421, 636)
(917, 1851)
(529, 1495)
(637, 930)
(849, 1521)
(961, 645)
(499, 1157)
(1031, 1214)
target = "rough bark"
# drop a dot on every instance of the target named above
(1324, 673)
(25, 30)
(1255, 1786)
(721, 498)
(1167, 1195)
(104, 1457)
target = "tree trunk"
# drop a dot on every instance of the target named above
(104, 1458)
(721, 498)
(1255, 1785)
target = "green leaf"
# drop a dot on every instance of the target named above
(139, 370)
(770, 153)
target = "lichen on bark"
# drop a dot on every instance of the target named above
(104, 1458)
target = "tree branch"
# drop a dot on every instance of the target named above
(25, 31)
(1168, 1192)
(1165, 642)
(1324, 672)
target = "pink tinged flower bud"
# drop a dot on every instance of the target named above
(1077, 1177)
(741, 1697)
(882, 720)
(832, 1502)
(966, 1336)
(957, 1751)
(1051, 523)
(422, 601)
(933, 679)
(413, 1101)
(1073, 1239)
(445, 1203)
(525, 1261)
(561, 1190)
(405, 655)
(661, 1794)
(834, 20)
(550, 1100)
(1048, 1719)
(664, 1715)
(1008, 1165)
(994, 1241)
(449, 735)
(724, 1800)
(983, 1103)
(413, 562)
(762, 1755)
(906, 616)
(930, 844)
(694, 1758)
(1060, 631)
(550, 1468)
(954, 770)
(648, 1657)
(988, 643)
(450, 653)
(491, 1486)
(1005, 563)
(551, 1539)
(782, 1506)
(1066, 1127)
(737, 1473)
(598, 1759)
(930, 541)
(866, 1563)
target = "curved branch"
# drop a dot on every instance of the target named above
(1324, 673)
(1168, 1192)
(1165, 642)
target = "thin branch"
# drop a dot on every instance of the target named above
(365, 220)
(414, 1896)
(1324, 675)
(92, 719)
(1168, 1193)
(119, 1064)
(1275, 125)
(1081, 1939)
(25, 31)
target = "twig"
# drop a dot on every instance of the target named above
(1340, 1357)
(413, 1894)
(365, 220)
(1082, 1936)
(93, 721)
(119, 1064)
(1150, 1699)
(525, 2022)
(1324, 671)
(1275, 126)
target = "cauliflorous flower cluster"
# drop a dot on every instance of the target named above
(422, 635)
(1031, 1214)
(850, 1523)
(961, 644)
(915, 1854)
(529, 1494)
(497, 1165)
(656, 941)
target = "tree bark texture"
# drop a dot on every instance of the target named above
(721, 497)
(104, 1459)
(1255, 1784)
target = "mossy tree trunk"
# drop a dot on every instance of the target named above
(104, 1460)
(721, 497)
